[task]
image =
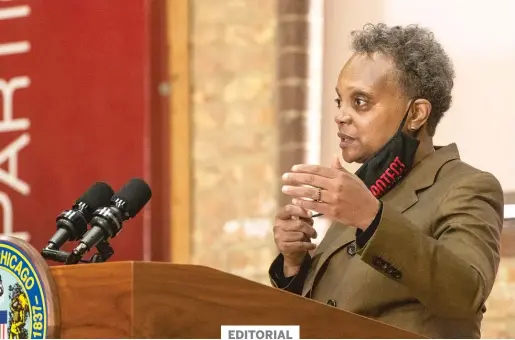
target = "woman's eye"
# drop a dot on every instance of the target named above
(338, 102)
(359, 102)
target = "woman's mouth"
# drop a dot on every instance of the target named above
(345, 140)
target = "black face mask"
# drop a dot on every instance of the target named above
(391, 163)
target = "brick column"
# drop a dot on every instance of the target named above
(292, 82)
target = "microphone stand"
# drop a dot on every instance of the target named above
(104, 252)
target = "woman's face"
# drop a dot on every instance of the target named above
(371, 106)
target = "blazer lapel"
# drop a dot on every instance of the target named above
(347, 235)
(401, 198)
(404, 196)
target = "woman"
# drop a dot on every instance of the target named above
(415, 238)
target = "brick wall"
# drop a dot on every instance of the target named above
(235, 134)
(499, 319)
(248, 74)
(292, 82)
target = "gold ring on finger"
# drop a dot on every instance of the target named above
(319, 195)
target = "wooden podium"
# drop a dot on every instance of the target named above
(161, 300)
(153, 300)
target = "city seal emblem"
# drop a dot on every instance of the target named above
(24, 306)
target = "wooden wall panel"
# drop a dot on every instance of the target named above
(180, 130)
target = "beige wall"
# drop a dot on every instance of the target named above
(480, 38)
(234, 135)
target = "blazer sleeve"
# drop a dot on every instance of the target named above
(452, 271)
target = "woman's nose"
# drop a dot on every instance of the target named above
(342, 118)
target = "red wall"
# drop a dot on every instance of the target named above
(88, 104)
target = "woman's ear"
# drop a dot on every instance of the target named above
(420, 111)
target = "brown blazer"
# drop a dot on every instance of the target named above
(432, 260)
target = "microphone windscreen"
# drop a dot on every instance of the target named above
(98, 196)
(136, 193)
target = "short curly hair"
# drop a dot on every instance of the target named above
(425, 70)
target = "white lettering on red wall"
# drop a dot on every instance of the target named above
(11, 122)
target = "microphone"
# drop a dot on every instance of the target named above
(72, 224)
(107, 221)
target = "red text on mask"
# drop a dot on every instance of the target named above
(394, 171)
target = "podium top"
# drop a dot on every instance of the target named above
(153, 300)
(163, 300)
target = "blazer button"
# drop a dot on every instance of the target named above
(379, 263)
(351, 249)
(331, 302)
(393, 272)
(396, 274)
